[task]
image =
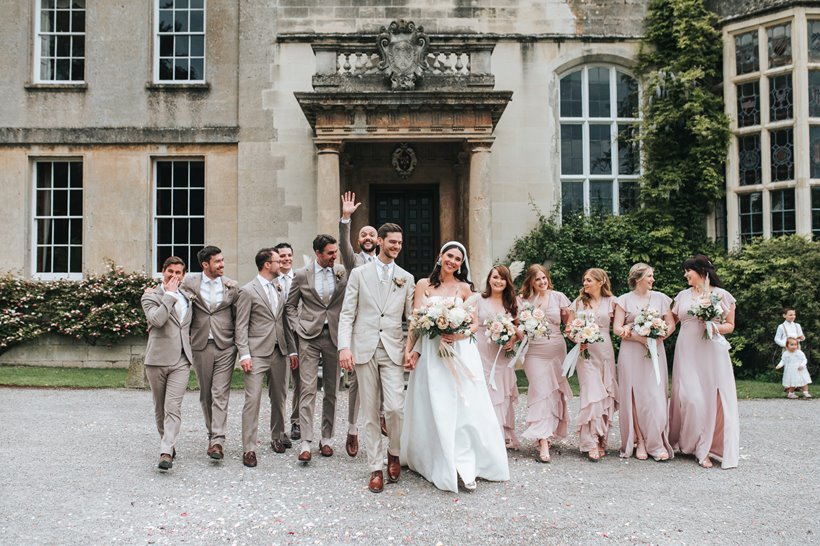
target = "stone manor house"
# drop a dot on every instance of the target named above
(134, 130)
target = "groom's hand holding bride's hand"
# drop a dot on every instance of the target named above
(346, 359)
(410, 359)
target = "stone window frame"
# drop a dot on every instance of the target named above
(614, 121)
(767, 131)
(158, 34)
(73, 37)
(190, 248)
(42, 213)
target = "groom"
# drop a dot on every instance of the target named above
(378, 295)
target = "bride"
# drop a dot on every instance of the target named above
(450, 430)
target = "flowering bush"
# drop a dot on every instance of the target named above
(97, 309)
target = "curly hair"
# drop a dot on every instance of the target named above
(606, 287)
(508, 295)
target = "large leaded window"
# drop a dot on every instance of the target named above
(815, 213)
(180, 41)
(179, 211)
(58, 219)
(600, 160)
(59, 45)
(751, 216)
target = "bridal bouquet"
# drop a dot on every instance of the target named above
(533, 321)
(651, 325)
(500, 330)
(708, 309)
(442, 316)
(581, 331)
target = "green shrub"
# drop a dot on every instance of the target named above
(97, 309)
(764, 277)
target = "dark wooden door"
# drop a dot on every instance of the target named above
(415, 209)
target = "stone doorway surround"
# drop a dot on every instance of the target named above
(443, 93)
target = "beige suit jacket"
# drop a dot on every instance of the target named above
(220, 321)
(259, 329)
(309, 318)
(367, 318)
(349, 259)
(168, 338)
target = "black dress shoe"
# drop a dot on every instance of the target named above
(287, 443)
(278, 446)
(295, 432)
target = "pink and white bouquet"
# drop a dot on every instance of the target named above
(532, 321)
(708, 309)
(651, 325)
(582, 331)
(441, 316)
(500, 330)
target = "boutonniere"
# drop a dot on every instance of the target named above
(190, 295)
(278, 286)
(399, 281)
(228, 284)
(339, 274)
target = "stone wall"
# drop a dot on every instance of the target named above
(65, 352)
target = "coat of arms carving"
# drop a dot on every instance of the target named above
(403, 49)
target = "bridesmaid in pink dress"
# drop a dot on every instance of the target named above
(549, 393)
(703, 415)
(498, 298)
(643, 402)
(596, 376)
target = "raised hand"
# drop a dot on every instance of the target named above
(349, 204)
(172, 285)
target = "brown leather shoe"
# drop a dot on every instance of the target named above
(383, 424)
(393, 468)
(249, 459)
(215, 452)
(376, 484)
(165, 462)
(278, 446)
(326, 450)
(352, 445)
(304, 457)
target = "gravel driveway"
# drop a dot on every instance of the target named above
(81, 468)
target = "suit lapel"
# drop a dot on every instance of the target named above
(310, 273)
(262, 294)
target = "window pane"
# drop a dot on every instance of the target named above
(75, 232)
(197, 174)
(180, 69)
(746, 53)
(43, 174)
(749, 160)
(628, 157)
(780, 45)
(599, 106)
(751, 216)
(63, 46)
(627, 197)
(44, 232)
(166, 20)
(180, 174)
(60, 231)
(815, 213)
(600, 149)
(166, 46)
(627, 96)
(164, 233)
(180, 203)
(780, 97)
(814, 41)
(197, 226)
(60, 202)
(180, 20)
(571, 95)
(572, 198)
(783, 221)
(600, 197)
(814, 137)
(166, 69)
(197, 21)
(75, 207)
(63, 21)
(181, 231)
(181, 46)
(60, 174)
(197, 46)
(197, 206)
(75, 264)
(47, 20)
(197, 71)
(43, 207)
(60, 257)
(814, 93)
(572, 149)
(164, 202)
(63, 70)
(748, 104)
(78, 21)
(782, 155)
(43, 259)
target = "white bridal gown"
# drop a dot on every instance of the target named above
(450, 429)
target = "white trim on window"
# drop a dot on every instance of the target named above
(67, 46)
(187, 47)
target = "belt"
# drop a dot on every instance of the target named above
(211, 341)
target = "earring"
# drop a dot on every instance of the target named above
(438, 262)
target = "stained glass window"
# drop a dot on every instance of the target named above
(746, 53)
(814, 41)
(751, 171)
(783, 220)
(780, 45)
(751, 216)
(781, 104)
(748, 104)
(782, 146)
(814, 93)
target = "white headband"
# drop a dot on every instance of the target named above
(463, 251)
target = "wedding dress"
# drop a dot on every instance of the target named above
(450, 428)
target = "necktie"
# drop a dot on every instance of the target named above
(327, 287)
(272, 296)
(180, 306)
(385, 273)
(211, 295)
(286, 285)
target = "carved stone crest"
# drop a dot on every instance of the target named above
(404, 160)
(403, 50)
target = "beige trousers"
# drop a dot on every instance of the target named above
(168, 384)
(275, 368)
(309, 352)
(214, 370)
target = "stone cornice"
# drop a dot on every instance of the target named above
(12, 136)
(316, 38)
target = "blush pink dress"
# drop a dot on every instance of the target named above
(637, 383)
(549, 393)
(703, 415)
(596, 377)
(505, 396)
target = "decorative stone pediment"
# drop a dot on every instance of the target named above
(403, 51)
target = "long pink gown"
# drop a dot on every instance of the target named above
(637, 383)
(703, 415)
(596, 377)
(505, 396)
(549, 393)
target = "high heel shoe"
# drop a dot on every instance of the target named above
(640, 452)
(542, 456)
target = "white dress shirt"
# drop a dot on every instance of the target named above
(181, 306)
(205, 287)
(318, 272)
(285, 281)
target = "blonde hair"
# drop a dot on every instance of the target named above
(527, 290)
(636, 273)
(599, 275)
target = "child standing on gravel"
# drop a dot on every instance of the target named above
(795, 374)
(789, 328)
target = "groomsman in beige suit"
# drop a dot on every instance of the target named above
(368, 244)
(212, 341)
(168, 355)
(379, 295)
(313, 307)
(285, 280)
(265, 344)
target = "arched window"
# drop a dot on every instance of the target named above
(600, 160)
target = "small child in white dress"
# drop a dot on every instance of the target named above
(795, 374)
(789, 328)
